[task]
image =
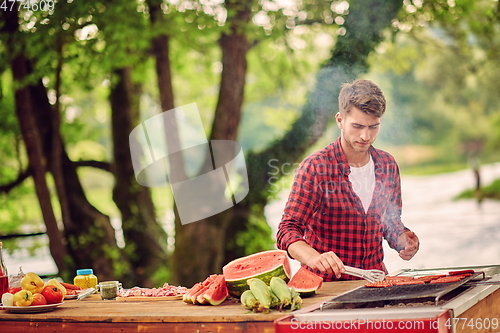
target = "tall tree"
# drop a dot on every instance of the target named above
(31, 135)
(89, 239)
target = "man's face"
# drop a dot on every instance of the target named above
(359, 130)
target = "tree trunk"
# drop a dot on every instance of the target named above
(145, 239)
(207, 238)
(31, 137)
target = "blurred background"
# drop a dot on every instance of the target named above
(77, 77)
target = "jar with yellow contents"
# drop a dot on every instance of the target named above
(85, 278)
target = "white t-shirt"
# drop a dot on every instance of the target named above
(363, 182)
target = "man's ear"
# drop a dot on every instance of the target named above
(338, 118)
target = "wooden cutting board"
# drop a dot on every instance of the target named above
(148, 298)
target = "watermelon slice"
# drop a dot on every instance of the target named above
(262, 265)
(216, 292)
(195, 294)
(305, 282)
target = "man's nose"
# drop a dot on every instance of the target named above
(365, 134)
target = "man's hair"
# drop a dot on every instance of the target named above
(363, 94)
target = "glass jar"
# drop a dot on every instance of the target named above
(85, 278)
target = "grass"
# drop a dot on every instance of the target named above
(491, 191)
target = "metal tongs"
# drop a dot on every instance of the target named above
(371, 275)
(85, 293)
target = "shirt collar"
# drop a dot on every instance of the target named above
(341, 159)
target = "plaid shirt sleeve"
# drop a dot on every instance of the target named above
(392, 225)
(300, 205)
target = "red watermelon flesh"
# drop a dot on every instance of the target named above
(198, 289)
(255, 264)
(216, 292)
(305, 282)
(262, 265)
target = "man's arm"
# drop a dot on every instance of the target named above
(327, 262)
(397, 235)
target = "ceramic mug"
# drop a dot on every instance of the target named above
(109, 289)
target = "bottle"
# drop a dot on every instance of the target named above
(4, 276)
(85, 278)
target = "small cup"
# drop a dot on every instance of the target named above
(109, 289)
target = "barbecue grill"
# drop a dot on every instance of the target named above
(443, 307)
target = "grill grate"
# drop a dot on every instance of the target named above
(395, 293)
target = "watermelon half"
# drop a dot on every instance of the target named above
(262, 265)
(305, 282)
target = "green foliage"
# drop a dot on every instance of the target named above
(439, 77)
(491, 191)
(257, 235)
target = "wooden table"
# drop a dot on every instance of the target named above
(95, 315)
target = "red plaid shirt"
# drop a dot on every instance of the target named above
(324, 211)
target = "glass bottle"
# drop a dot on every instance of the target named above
(4, 276)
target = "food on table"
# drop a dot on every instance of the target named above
(165, 290)
(8, 299)
(213, 290)
(85, 278)
(32, 282)
(70, 286)
(408, 282)
(54, 282)
(262, 298)
(53, 294)
(305, 282)
(262, 265)
(34, 292)
(390, 281)
(429, 278)
(399, 278)
(216, 292)
(23, 298)
(462, 272)
(447, 279)
(14, 290)
(38, 299)
(379, 284)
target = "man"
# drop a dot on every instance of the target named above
(347, 197)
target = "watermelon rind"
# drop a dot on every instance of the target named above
(237, 286)
(306, 293)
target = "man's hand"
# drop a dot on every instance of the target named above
(327, 262)
(410, 243)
